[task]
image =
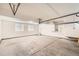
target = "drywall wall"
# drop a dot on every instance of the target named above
(64, 29)
(8, 28)
(0, 29)
(49, 30)
(70, 30)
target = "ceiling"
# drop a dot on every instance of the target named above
(33, 11)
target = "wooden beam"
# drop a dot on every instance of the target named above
(39, 20)
(17, 8)
(14, 8)
(60, 17)
(11, 8)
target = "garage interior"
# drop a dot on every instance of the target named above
(39, 29)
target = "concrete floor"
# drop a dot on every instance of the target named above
(38, 46)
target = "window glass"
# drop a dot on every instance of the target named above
(31, 27)
(19, 27)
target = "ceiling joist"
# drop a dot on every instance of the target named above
(60, 17)
(14, 7)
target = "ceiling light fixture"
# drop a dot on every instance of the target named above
(14, 7)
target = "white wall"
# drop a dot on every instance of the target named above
(70, 30)
(8, 28)
(48, 29)
(64, 30)
(0, 29)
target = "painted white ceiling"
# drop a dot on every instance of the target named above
(33, 11)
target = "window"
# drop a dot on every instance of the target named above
(19, 27)
(31, 27)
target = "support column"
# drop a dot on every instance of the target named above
(56, 26)
(39, 27)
